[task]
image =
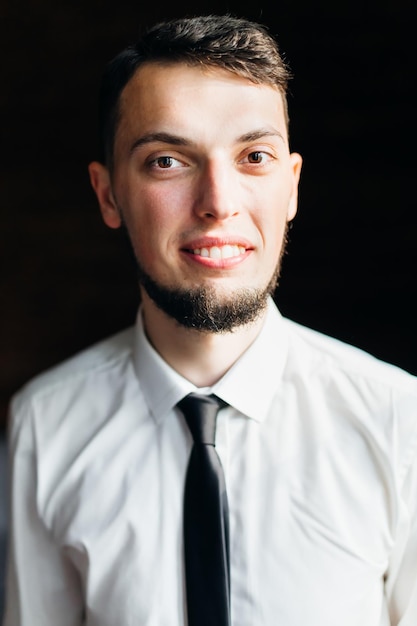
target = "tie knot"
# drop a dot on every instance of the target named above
(200, 413)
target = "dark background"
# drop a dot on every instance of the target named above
(67, 281)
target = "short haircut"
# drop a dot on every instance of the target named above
(234, 44)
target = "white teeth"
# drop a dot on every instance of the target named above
(215, 253)
(223, 252)
(228, 251)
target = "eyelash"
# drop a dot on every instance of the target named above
(156, 163)
(258, 152)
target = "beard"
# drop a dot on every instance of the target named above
(204, 309)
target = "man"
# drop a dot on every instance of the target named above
(317, 440)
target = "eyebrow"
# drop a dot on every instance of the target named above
(177, 140)
(254, 135)
(161, 137)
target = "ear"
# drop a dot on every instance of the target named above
(295, 166)
(101, 183)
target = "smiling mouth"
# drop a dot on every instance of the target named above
(219, 252)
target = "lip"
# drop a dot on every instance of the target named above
(212, 242)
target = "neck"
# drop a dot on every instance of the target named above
(202, 358)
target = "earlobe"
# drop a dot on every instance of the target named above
(101, 183)
(295, 164)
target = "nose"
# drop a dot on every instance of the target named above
(217, 192)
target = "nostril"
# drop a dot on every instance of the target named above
(219, 214)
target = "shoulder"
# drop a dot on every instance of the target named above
(77, 375)
(357, 393)
(322, 353)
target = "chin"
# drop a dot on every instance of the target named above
(209, 308)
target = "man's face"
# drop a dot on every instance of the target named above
(202, 179)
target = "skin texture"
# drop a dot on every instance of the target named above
(201, 161)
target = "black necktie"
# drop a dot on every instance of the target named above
(206, 518)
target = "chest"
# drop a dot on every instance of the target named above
(310, 525)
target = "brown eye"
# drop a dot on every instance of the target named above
(255, 157)
(164, 162)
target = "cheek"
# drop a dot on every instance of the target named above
(153, 217)
(160, 206)
(272, 220)
(272, 223)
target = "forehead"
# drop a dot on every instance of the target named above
(197, 100)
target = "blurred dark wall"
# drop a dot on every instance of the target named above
(351, 266)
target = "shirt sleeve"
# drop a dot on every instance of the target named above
(401, 582)
(43, 587)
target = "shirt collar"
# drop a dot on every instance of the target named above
(249, 385)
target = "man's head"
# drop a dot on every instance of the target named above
(224, 42)
(198, 168)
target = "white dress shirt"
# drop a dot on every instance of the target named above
(319, 449)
